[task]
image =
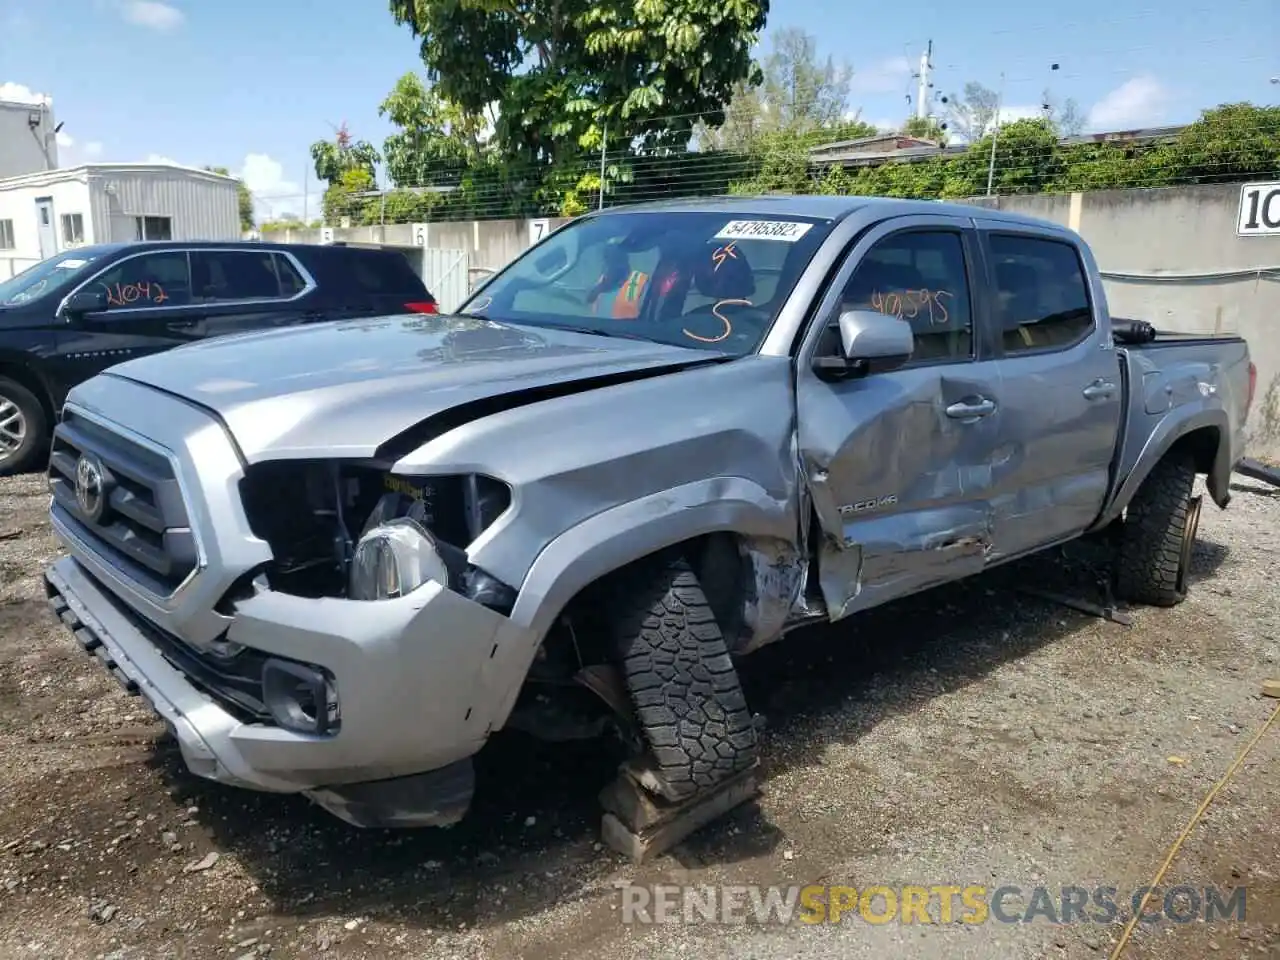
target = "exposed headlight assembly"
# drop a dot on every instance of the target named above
(395, 558)
(410, 534)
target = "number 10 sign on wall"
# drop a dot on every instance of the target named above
(1259, 210)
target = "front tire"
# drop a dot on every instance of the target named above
(1159, 532)
(24, 428)
(690, 705)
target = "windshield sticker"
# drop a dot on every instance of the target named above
(70, 264)
(788, 231)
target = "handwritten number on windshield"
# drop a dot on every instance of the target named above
(728, 327)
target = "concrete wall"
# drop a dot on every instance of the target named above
(1171, 256)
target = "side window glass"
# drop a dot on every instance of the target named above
(152, 280)
(1042, 299)
(918, 277)
(219, 275)
(291, 282)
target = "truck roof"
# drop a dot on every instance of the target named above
(827, 207)
(101, 249)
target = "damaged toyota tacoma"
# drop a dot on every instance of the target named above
(337, 559)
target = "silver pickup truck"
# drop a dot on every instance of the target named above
(337, 559)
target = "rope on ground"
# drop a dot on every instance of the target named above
(1195, 818)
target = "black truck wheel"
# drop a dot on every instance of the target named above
(691, 708)
(23, 428)
(1159, 532)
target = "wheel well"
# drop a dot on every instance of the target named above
(704, 553)
(1202, 444)
(23, 374)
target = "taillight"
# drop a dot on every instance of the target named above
(1253, 385)
(424, 306)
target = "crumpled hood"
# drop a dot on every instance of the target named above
(345, 388)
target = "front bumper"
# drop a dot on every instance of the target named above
(415, 684)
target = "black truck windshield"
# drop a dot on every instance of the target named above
(701, 279)
(45, 277)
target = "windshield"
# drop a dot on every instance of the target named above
(46, 276)
(713, 281)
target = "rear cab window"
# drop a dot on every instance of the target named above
(1041, 293)
(240, 275)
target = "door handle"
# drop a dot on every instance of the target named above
(182, 324)
(971, 409)
(1099, 390)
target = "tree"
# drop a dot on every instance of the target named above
(243, 195)
(970, 115)
(333, 158)
(798, 94)
(802, 93)
(565, 69)
(433, 134)
(927, 128)
(1065, 117)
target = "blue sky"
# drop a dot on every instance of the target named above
(250, 85)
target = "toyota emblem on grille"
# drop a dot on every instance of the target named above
(90, 487)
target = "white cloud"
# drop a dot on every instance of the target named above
(1135, 103)
(161, 158)
(274, 194)
(18, 93)
(884, 76)
(152, 14)
(65, 140)
(92, 149)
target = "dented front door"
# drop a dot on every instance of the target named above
(899, 464)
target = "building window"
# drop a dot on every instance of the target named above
(6, 235)
(153, 228)
(72, 229)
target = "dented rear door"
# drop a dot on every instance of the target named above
(899, 464)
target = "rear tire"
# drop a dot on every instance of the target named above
(1159, 532)
(24, 428)
(691, 708)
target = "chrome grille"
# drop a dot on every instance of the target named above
(137, 520)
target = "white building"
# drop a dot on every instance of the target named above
(28, 140)
(45, 213)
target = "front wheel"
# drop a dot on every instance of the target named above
(1159, 532)
(23, 428)
(690, 705)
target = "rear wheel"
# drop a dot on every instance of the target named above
(1158, 535)
(690, 705)
(23, 428)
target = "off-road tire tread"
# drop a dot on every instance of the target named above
(37, 439)
(690, 705)
(1151, 539)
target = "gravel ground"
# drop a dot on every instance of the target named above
(973, 735)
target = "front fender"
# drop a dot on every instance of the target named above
(613, 538)
(1176, 424)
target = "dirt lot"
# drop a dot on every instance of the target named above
(973, 736)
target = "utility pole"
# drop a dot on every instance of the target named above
(995, 135)
(922, 91)
(604, 140)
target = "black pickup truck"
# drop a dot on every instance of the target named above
(75, 314)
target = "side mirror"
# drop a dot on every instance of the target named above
(83, 302)
(871, 342)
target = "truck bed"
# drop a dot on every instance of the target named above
(1175, 383)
